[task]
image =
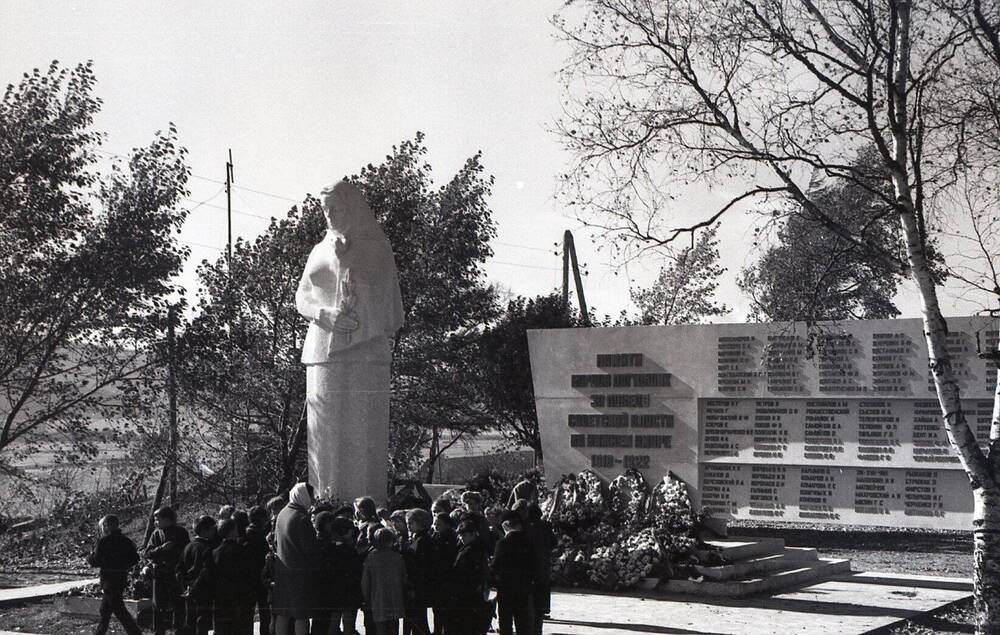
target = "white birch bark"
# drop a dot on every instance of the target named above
(986, 516)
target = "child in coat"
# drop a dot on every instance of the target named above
(382, 584)
(196, 574)
(114, 555)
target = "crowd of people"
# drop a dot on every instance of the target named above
(307, 568)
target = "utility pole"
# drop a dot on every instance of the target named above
(172, 393)
(569, 258)
(229, 210)
(229, 271)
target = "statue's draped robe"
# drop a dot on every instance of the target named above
(353, 272)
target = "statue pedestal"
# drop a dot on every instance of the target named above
(348, 407)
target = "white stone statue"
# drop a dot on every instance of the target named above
(349, 292)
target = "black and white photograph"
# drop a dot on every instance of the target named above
(440, 317)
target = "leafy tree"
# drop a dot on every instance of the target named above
(440, 238)
(682, 293)
(509, 395)
(239, 358)
(660, 96)
(86, 265)
(813, 274)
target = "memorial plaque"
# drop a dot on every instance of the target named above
(833, 423)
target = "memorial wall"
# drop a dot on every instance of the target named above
(836, 424)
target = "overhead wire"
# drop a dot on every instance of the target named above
(207, 203)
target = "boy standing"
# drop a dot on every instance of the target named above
(114, 555)
(255, 543)
(164, 552)
(195, 572)
(232, 582)
(514, 572)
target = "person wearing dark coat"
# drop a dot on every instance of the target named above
(467, 585)
(347, 567)
(114, 555)
(255, 544)
(419, 557)
(196, 574)
(233, 583)
(383, 584)
(543, 540)
(326, 574)
(296, 564)
(163, 552)
(513, 573)
(445, 548)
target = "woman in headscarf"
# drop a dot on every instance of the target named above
(349, 292)
(295, 567)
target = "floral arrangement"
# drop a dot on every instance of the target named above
(611, 537)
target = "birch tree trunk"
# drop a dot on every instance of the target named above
(986, 515)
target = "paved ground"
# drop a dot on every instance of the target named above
(22, 594)
(855, 603)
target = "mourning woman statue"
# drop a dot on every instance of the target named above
(349, 292)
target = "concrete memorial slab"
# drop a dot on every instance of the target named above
(349, 292)
(844, 606)
(837, 423)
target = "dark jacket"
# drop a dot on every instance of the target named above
(297, 563)
(468, 576)
(233, 580)
(164, 551)
(514, 566)
(196, 570)
(445, 550)
(256, 548)
(420, 561)
(114, 555)
(544, 541)
(347, 563)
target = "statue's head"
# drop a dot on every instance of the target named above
(345, 208)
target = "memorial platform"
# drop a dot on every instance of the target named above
(758, 566)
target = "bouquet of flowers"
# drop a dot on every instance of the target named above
(591, 490)
(639, 557)
(670, 508)
(628, 495)
(582, 502)
(620, 565)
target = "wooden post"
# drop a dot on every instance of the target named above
(172, 405)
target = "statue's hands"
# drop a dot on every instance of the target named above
(333, 320)
(346, 322)
(327, 318)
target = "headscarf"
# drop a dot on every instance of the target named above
(300, 496)
(526, 490)
(367, 285)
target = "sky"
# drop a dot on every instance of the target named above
(304, 93)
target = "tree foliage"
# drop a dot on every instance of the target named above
(239, 358)
(440, 237)
(812, 274)
(86, 266)
(508, 391)
(683, 291)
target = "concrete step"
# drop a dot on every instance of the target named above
(736, 548)
(790, 558)
(810, 572)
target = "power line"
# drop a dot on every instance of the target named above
(194, 244)
(548, 251)
(207, 203)
(519, 264)
(217, 181)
